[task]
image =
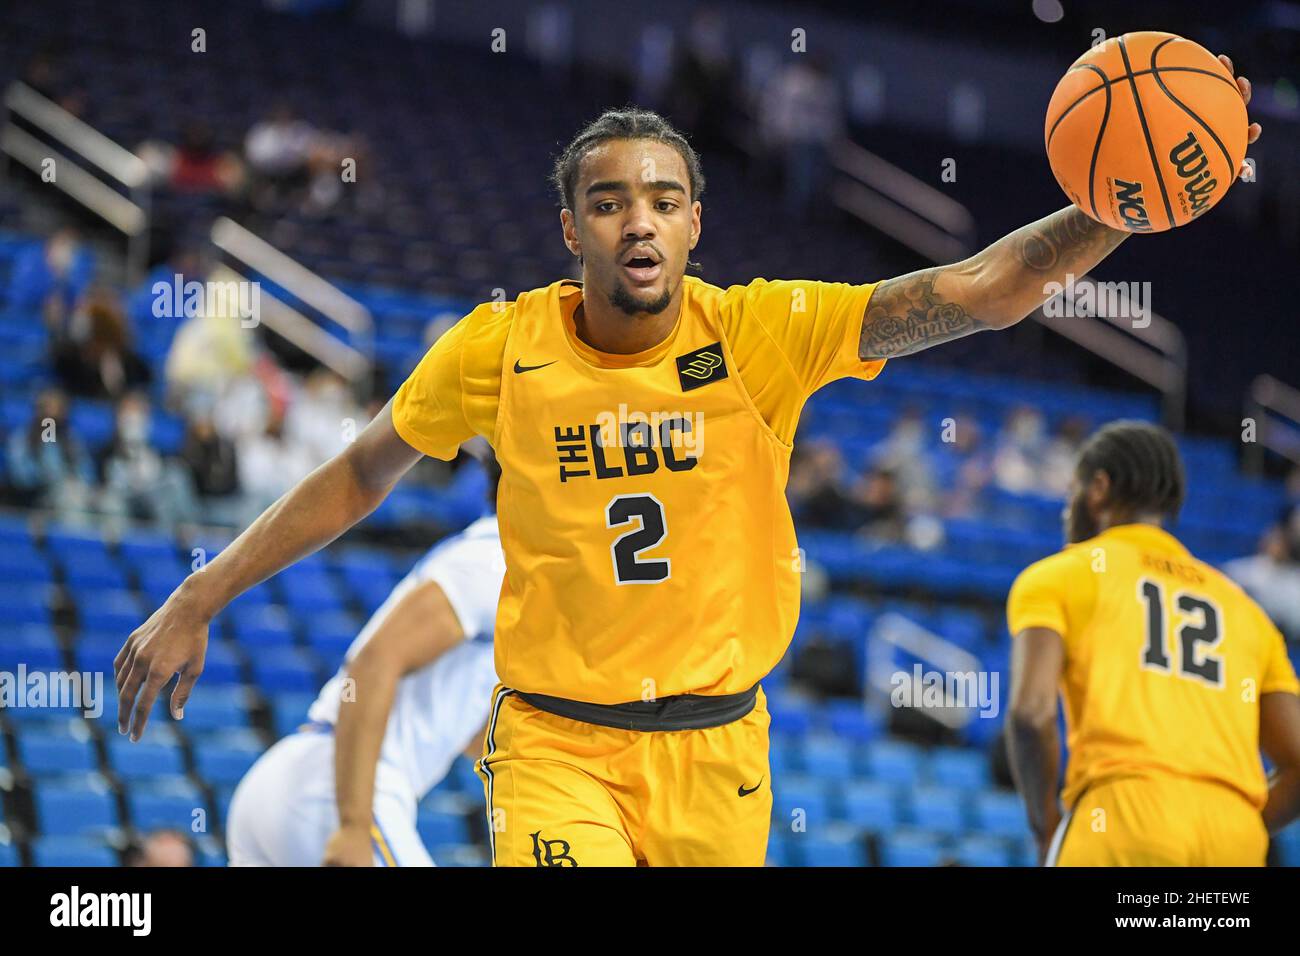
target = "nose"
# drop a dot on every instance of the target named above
(639, 224)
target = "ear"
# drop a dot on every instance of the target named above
(569, 227)
(1097, 493)
(696, 209)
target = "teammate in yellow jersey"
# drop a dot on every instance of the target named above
(1172, 678)
(643, 421)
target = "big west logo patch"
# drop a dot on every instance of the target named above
(701, 367)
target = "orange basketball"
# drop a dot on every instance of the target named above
(1146, 131)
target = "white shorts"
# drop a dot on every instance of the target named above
(283, 812)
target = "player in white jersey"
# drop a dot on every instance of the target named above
(413, 692)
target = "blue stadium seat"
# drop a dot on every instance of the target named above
(166, 804)
(289, 711)
(982, 851)
(800, 800)
(154, 756)
(72, 851)
(951, 767)
(260, 626)
(893, 762)
(213, 707)
(938, 809)
(850, 720)
(1000, 814)
(282, 669)
(823, 851)
(22, 564)
(871, 806)
(46, 754)
(223, 765)
(26, 604)
(331, 634)
(828, 758)
(32, 644)
(437, 829)
(910, 848)
(75, 808)
(96, 652)
(93, 571)
(119, 612)
(9, 855)
(139, 546)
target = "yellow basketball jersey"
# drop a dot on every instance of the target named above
(649, 546)
(1165, 660)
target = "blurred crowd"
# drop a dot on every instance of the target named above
(918, 473)
(252, 429)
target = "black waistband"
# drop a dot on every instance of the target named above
(683, 712)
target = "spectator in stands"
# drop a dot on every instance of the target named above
(324, 417)
(963, 468)
(48, 467)
(195, 164)
(1272, 575)
(906, 454)
(269, 465)
(1061, 456)
(138, 481)
(816, 487)
(213, 469)
(702, 95)
(46, 76)
(93, 357)
(52, 277)
(1022, 450)
(801, 120)
(161, 848)
(880, 508)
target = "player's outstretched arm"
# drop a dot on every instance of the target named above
(1279, 737)
(997, 287)
(1037, 656)
(993, 289)
(309, 516)
(415, 633)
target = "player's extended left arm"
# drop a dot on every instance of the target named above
(993, 289)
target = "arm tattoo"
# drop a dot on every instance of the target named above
(1059, 240)
(1010, 277)
(906, 315)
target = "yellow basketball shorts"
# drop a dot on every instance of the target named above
(1160, 821)
(564, 792)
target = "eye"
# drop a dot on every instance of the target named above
(666, 205)
(607, 205)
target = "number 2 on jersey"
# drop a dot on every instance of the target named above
(628, 569)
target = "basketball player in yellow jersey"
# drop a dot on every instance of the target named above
(643, 421)
(1173, 679)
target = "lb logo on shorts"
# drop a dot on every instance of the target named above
(701, 367)
(551, 852)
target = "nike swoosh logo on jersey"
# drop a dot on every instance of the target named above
(531, 368)
(742, 792)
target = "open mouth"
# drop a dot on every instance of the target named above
(642, 269)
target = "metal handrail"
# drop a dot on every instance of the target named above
(1155, 352)
(128, 214)
(261, 258)
(1274, 407)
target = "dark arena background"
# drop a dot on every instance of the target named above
(372, 170)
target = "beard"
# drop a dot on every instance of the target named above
(624, 301)
(1079, 525)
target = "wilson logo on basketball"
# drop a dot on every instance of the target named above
(1192, 166)
(1132, 208)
